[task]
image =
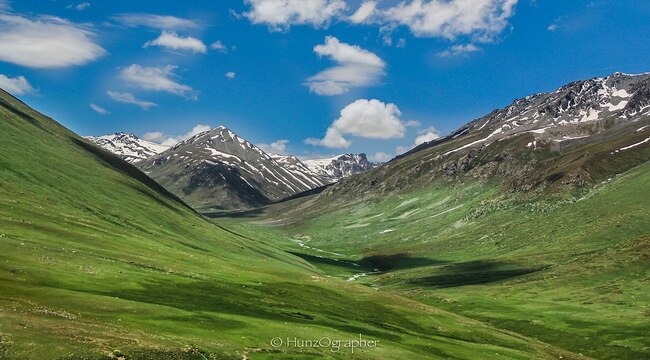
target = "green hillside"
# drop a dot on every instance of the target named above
(563, 259)
(98, 262)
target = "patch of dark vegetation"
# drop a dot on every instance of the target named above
(474, 273)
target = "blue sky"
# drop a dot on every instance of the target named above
(306, 77)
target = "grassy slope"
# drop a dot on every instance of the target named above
(94, 258)
(573, 273)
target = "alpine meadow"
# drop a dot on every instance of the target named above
(324, 179)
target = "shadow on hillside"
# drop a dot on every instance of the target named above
(474, 273)
(284, 302)
(382, 263)
(115, 163)
(323, 261)
(394, 262)
(235, 214)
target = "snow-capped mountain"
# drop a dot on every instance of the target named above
(340, 166)
(582, 133)
(574, 111)
(128, 146)
(217, 169)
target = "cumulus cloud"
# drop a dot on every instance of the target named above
(219, 46)
(129, 98)
(172, 41)
(426, 135)
(459, 50)
(363, 118)
(277, 147)
(98, 109)
(170, 140)
(279, 15)
(355, 67)
(380, 157)
(480, 19)
(230, 75)
(157, 78)
(16, 86)
(413, 123)
(153, 21)
(46, 42)
(365, 13)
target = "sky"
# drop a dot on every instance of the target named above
(311, 78)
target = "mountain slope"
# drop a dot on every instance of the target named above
(218, 170)
(340, 166)
(532, 219)
(98, 261)
(128, 146)
(570, 137)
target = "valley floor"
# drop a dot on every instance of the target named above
(570, 272)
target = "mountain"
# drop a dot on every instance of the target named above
(97, 261)
(532, 219)
(217, 170)
(340, 166)
(527, 144)
(128, 146)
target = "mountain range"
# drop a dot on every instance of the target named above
(523, 235)
(218, 170)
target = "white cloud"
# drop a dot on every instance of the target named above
(552, 27)
(279, 15)
(355, 67)
(482, 20)
(401, 43)
(129, 98)
(277, 147)
(426, 135)
(16, 86)
(380, 157)
(412, 123)
(167, 140)
(401, 149)
(161, 22)
(364, 118)
(459, 50)
(98, 109)
(219, 46)
(230, 75)
(82, 6)
(46, 42)
(157, 78)
(365, 13)
(172, 41)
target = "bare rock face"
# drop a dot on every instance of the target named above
(218, 170)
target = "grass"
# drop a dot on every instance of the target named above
(97, 261)
(568, 269)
